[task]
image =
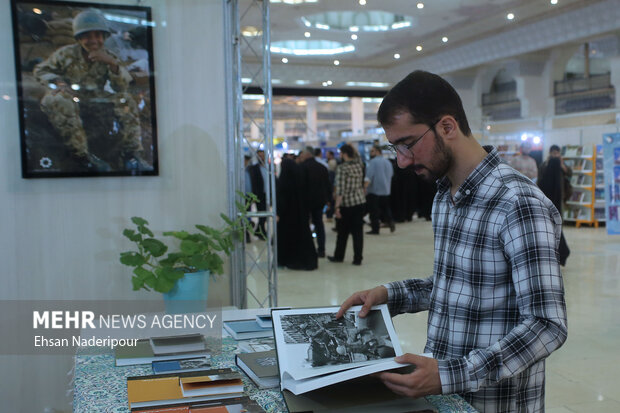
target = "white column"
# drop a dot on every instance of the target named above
(615, 77)
(279, 129)
(311, 119)
(254, 132)
(357, 116)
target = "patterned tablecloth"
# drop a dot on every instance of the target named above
(99, 386)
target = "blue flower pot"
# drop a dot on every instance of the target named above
(189, 294)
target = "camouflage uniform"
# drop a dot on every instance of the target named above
(68, 64)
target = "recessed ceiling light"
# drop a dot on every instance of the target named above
(324, 84)
(333, 99)
(444, 39)
(6, 97)
(310, 47)
(362, 2)
(510, 16)
(488, 127)
(246, 80)
(329, 82)
(420, 5)
(302, 103)
(284, 60)
(336, 62)
(418, 48)
(302, 82)
(37, 11)
(396, 56)
(307, 34)
(251, 31)
(367, 84)
(354, 37)
(554, 1)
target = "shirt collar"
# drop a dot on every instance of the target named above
(475, 178)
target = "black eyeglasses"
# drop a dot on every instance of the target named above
(405, 148)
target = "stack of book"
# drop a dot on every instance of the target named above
(185, 388)
(247, 329)
(156, 349)
(261, 367)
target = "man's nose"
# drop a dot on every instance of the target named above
(403, 161)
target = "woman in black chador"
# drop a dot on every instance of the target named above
(551, 182)
(295, 245)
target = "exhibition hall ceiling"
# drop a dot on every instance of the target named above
(377, 42)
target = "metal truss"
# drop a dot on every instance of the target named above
(253, 265)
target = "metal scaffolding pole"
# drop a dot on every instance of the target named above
(254, 265)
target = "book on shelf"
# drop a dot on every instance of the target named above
(246, 329)
(142, 353)
(228, 405)
(183, 365)
(261, 367)
(577, 196)
(178, 344)
(316, 350)
(196, 386)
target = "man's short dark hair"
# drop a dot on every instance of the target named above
(554, 148)
(348, 150)
(426, 97)
(318, 152)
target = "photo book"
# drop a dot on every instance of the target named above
(315, 349)
(261, 367)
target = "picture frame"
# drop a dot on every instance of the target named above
(86, 89)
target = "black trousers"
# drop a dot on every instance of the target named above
(351, 222)
(316, 215)
(261, 206)
(378, 208)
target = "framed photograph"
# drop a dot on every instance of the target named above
(86, 89)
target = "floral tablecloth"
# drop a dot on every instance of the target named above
(100, 386)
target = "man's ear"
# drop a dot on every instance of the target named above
(447, 127)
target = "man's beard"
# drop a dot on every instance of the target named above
(442, 161)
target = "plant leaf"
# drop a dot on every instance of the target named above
(137, 283)
(171, 274)
(132, 259)
(139, 221)
(163, 285)
(143, 273)
(189, 247)
(177, 234)
(155, 247)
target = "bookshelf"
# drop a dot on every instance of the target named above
(582, 206)
(599, 186)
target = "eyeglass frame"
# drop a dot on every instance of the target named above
(407, 146)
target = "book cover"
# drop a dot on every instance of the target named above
(246, 329)
(261, 367)
(257, 344)
(166, 389)
(177, 344)
(183, 365)
(314, 349)
(264, 320)
(229, 405)
(142, 353)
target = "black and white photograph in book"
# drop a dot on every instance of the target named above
(86, 89)
(315, 342)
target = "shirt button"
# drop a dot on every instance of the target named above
(439, 311)
(467, 192)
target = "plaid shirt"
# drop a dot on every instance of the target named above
(350, 183)
(496, 298)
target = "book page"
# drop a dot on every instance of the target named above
(311, 342)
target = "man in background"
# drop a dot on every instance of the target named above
(378, 183)
(524, 163)
(259, 182)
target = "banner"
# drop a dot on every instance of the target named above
(611, 165)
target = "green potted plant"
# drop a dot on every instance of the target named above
(160, 268)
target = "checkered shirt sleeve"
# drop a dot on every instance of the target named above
(350, 183)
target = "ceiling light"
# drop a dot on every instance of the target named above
(418, 48)
(6, 97)
(329, 82)
(246, 80)
(324, 84)
(554, 1)
(251, 31)
(444, 39)
(293, 1)
(333, 99)
(354, 29)
(362, 2)
(307, 34)
(372, 100)
(368, 21)
(336, 62)
(420, 5)
(252, 97)
(302, 103)
(396, 56)
(310, 47)
(37, 11)
(354, 37)
(367, 84)
(302, 82)
(284, 60)
(510, 16)
(488, 127)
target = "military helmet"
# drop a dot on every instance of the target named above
(88, 21)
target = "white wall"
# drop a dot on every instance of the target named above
(60, 238)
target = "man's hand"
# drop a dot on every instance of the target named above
(424, 380)
(367, 298)
(103, 57)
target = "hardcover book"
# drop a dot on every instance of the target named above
(230, 405)
(179, 366)
(142, 353)
(315, 349)
(178, 344)
(175, 388)
(246, 329)
(261, 367)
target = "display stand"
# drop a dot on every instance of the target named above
(580, 207)
(599, 186)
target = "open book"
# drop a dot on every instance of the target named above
(315, 349)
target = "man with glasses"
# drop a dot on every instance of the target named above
(495, 299)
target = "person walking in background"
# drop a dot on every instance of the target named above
(378, 184)
(295, 246)
(260, 181)
(551, 181)
(567, 172)
(316, 189)
(332, 164)
(350, 205)
(524, 163)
